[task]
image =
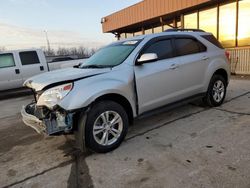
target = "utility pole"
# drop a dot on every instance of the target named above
(47, 38)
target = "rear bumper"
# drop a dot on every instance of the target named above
(45, 121)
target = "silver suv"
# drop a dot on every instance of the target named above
(100, 98)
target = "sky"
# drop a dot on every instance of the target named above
(68, 23)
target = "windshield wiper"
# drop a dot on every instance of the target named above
(94, 66)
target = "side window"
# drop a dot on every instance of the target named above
(29, 58)
(6, 60)
(213, 40)
(162, 48)
(186, 46)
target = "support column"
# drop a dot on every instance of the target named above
(218, 20)
(237, 23)
(175, 23)
(182, 21)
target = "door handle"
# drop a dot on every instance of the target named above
(41, 68)
(17, 71)
(205, 58)
(174, 66)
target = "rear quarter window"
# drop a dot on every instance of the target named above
(29, 58)
(213, 40)
(187, 46)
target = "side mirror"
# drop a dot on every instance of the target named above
(146, 58)
(77, 66)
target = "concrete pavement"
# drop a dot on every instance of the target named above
(189, 146)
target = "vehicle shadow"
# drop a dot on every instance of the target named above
(79, 173)
(14, 93)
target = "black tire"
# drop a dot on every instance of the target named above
(94, 115)
(209, 99)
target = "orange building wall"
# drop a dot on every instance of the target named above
(146, 10)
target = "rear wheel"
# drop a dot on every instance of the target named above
(216, 92)
(106, 126)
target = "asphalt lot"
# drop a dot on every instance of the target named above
(189, 146)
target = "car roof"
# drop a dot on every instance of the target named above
(20, 50)
(190, 33)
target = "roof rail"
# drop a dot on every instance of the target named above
(179, 30)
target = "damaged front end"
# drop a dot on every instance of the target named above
(44, 114)
(43, 120)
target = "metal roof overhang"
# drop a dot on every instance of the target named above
(149, 12)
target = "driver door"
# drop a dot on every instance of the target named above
(158, 83)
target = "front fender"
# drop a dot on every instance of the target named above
(87, 91)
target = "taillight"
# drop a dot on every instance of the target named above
(227, 54)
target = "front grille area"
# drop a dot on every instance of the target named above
(41, 112)
(44, 120)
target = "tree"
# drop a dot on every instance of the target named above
(80, 52)
(2, 48)
(92, 51)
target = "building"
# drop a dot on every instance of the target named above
(227, 20)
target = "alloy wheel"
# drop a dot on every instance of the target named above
(107, 128)
(218, 91)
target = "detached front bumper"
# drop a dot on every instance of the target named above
(45, 121)
(32, 121)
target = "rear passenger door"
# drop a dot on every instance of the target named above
(193, 62)
(10, 76)
(30, 64)
(158, 82)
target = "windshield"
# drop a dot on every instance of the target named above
(111, 55)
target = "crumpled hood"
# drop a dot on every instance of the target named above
(69, 74)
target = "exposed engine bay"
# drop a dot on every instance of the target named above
(44, 120)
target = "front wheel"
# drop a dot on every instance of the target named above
(106, 126)
(216, 92)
